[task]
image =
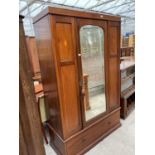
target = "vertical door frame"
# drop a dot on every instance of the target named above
(116, 24)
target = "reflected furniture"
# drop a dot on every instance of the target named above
(79, 55)
(128, 41)
(127, 100)
(85, 92)
(131, 40)
(127, 51)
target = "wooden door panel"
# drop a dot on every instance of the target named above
(113, 64)
(64, 41)
(113, 84)
(113, 40)
(69, 100)
(67, 74)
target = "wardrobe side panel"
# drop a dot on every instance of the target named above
(67, 73)
(46, 59)
(114, 64)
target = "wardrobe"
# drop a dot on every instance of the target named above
(79, 55)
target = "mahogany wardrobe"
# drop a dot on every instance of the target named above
(79, 60)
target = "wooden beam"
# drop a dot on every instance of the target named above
(31, 139)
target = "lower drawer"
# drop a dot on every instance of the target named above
(88, 137)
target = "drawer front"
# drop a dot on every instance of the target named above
(90, 135)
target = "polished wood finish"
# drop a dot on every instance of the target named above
(23, 150)
(57, 34)
(67, 73)
(31, 140)
(113, 80)
(127, 51)
(75, 13)
(33, 55)
(48, 71)
(84, 140)
(37, 77)
(113, 64)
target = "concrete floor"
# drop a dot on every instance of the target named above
(120, 142)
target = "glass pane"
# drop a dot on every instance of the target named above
(92, 56)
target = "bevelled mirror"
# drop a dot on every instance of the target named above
(92, 57)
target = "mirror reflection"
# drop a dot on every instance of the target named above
(92, 51)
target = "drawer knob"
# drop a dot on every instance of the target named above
(79, 55)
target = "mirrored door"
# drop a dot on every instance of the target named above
(93, 70)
